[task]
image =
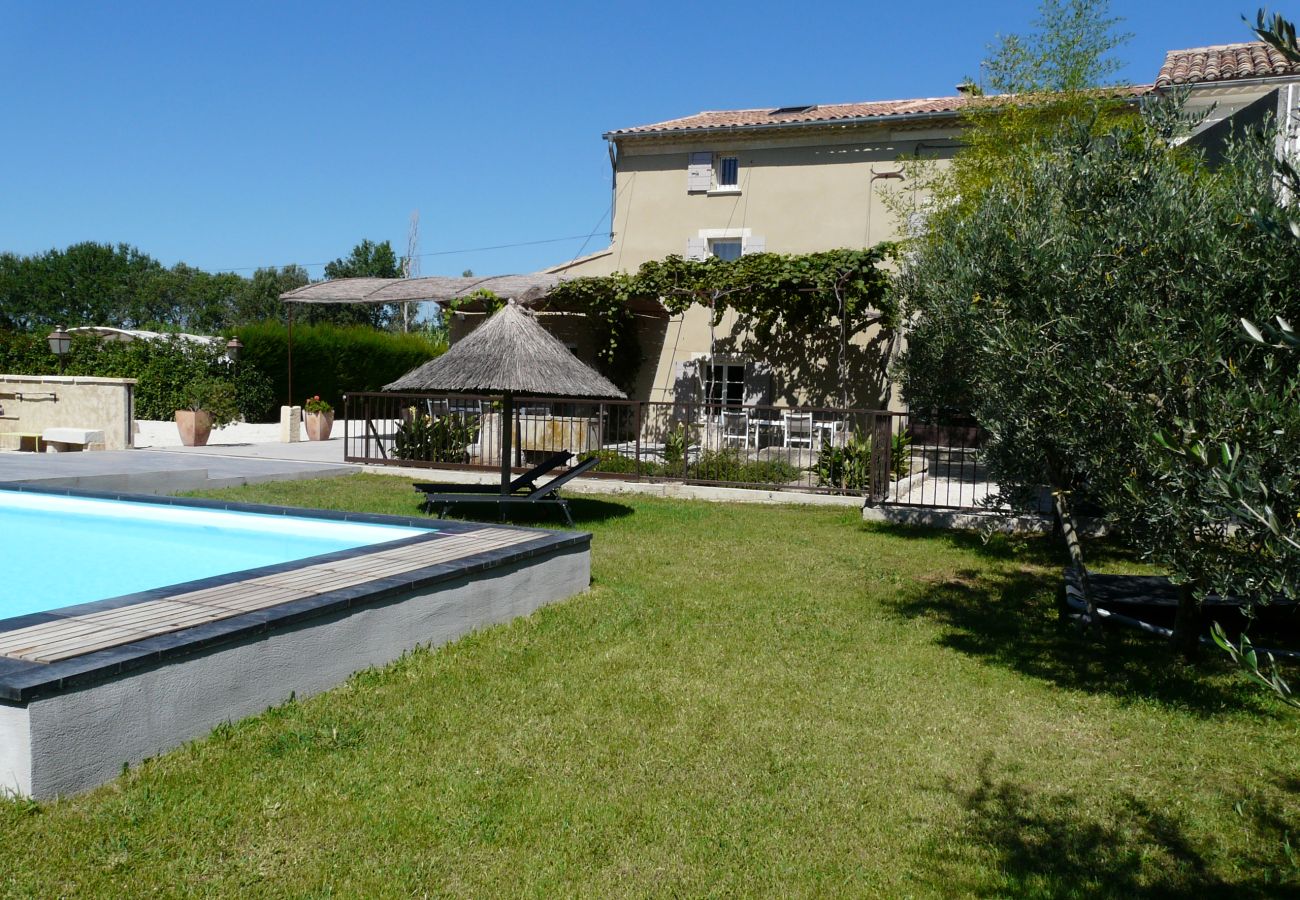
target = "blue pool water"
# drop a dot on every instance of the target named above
(58, 551)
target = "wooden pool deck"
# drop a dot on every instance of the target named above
(76, 635)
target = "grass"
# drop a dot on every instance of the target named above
(750, 700)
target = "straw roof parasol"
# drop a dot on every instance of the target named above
(509, 353)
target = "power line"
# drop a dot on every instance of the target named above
(571, 237)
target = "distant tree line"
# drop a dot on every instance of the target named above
(123, 287)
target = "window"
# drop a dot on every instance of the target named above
(727, 173)
(724, 243)
(724, 384)
(708, 172)
(725, 248)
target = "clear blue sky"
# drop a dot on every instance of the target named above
(234, 135)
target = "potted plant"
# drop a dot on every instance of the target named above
(209, 403)
(319, 418)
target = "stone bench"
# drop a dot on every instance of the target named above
(27, 441)
(61, 440)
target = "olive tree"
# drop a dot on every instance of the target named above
(1096, 288)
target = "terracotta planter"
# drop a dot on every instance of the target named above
(319, 425)
(194, 425)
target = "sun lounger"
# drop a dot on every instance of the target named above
(547, 494)
(525, 483)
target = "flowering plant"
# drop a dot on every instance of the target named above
(317, 405)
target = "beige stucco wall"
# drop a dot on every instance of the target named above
(32, 403)
(801, 192)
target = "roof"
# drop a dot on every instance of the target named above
(509, 352)
(808, 115)
(1224, 62)
(828, 114)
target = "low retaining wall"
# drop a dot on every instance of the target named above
(81, 738)
(29, 404)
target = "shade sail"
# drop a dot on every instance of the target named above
(509, 353)
(531, 290)
(433, 287)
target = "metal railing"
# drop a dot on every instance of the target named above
(889, 458)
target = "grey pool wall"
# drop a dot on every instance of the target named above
(69, 726)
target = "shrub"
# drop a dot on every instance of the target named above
(616, 463)
(730, 465)
(846, 468)
(435, 438)
(213, 395)
(900, 455)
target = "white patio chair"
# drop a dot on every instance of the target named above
(834, 431)
(798, 429)
(735, 427)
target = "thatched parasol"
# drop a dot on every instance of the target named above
(509, 354)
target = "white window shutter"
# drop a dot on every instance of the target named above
(688, 381)
(758, 383)
(699, 174)
(697, 248)
(754, 244)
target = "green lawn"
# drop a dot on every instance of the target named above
(750, 700)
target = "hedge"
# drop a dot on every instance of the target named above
(331, 360)
(163, 369)
(327, 360)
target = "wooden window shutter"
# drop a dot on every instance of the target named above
(754, 244)
(697, 248)
(699, 174)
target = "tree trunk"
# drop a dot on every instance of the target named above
(1187, 624)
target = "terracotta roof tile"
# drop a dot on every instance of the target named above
(740, 118)
(1225, 62)
(813, 115)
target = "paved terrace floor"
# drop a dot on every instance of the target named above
(248, 454)
(239, 459)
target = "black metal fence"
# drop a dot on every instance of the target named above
(886, 457)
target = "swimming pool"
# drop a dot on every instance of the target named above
(165, 653)
(62, 550)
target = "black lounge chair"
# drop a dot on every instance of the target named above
(546, 494)
(525, 483)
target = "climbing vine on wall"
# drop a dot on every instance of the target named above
(778, 295)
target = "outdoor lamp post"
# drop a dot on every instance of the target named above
(60, 344)
(233, 348)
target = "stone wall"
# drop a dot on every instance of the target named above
(29, 404)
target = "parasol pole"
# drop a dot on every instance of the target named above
(507, 428)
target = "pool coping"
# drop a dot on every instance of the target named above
(22, 681)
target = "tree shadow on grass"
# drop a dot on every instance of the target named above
(1009, 617)
(1050, 845)
(1103, 553)
(1032, 548)
(586, 512)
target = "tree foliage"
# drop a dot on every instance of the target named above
(1093, 298)
(123, 287)
(1060, 74)
(833, 296)
(367, 260)
(1069, 51)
